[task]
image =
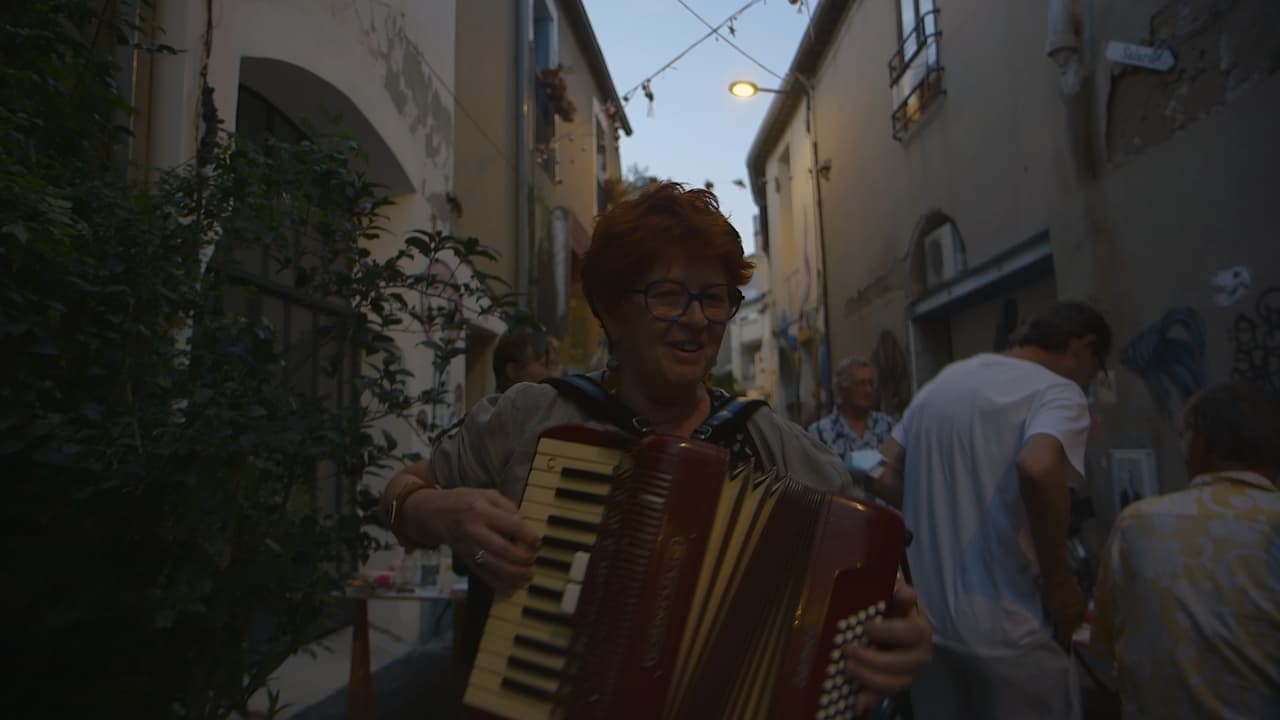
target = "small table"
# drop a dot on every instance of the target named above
(360, 684)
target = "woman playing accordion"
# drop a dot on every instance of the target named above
(662, 277)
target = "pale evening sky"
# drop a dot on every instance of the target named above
(698, 131)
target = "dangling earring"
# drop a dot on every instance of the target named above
(611, 381)
(709, 381)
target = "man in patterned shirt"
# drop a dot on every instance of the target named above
(1188, 594)
(854, 424)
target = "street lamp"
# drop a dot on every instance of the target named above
(746, 89)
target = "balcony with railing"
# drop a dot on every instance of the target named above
(915, 74)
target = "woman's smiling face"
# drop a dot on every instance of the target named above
(671, 354)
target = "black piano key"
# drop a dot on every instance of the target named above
(542, 647)
(532, 668)
(587, 475)
(545, 592)
(582, 496)
(572, 523)
(547, 616)
(526, 689)
(549, 540)
(553, 563)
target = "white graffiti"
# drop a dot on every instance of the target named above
(1231, 284)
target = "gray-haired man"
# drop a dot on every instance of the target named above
(854, 424)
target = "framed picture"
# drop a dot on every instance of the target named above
(1133, 476)
(1103, 389)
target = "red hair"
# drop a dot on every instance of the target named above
(663, 223)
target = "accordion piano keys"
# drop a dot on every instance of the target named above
(527, 636)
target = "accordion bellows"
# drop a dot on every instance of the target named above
(670, 585)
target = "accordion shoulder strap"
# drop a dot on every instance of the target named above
(728, 420)
(726, 423)
(586, 391)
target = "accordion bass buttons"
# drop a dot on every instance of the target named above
(838, 689)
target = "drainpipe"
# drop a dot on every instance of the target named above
(524, 33)
(174, 96)
(126, 80)
(811, 123)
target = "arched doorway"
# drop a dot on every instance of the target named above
(309, 100)
(262, 275)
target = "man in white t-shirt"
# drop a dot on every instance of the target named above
(980, 465)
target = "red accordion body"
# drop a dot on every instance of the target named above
(670, 585)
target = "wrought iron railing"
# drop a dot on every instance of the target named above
(917, 64)
(922, 96)
(924, 35)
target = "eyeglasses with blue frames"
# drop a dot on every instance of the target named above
(669, 300)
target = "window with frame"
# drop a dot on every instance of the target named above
(263, 284)
(915, 70)
(546, 56)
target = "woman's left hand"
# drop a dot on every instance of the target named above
(900, 645)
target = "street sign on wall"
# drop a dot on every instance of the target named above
(1158, 59)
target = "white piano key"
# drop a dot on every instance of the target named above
(578, 571)
(569, 601)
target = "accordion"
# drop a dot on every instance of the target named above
(671, 585)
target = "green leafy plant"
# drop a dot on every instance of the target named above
(200, 373)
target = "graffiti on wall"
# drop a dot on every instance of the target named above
(801, 371)
(893, 374)
(1169, 353)
(1257, 342)
(1231, 284)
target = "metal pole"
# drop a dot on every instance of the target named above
(523, 39)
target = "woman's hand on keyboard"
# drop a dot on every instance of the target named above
(487, 531)
(901, 644)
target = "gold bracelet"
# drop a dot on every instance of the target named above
(397, 514)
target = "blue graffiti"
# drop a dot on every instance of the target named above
(784, 332)
(1169, 352)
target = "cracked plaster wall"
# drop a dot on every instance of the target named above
(412, 45)
(1223, 49)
